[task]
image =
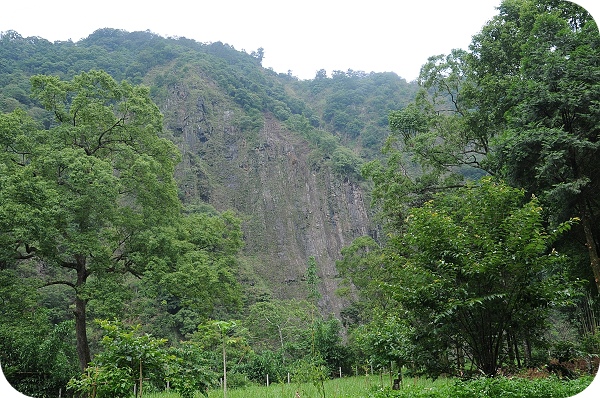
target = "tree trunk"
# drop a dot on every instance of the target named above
(141, 377)
(83, 348)
(516, 344)
(510, 348)
(281, 342)
(397, 382)
(592, 247)
(224, 369)
(528, 355)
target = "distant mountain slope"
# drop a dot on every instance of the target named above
(283, 153)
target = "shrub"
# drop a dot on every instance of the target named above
(262, 364)
(103, 382)
(496, 387)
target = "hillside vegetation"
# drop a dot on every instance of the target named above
(266, 145)
(174, 214)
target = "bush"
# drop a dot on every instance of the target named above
(497, 387)
(563, 350)
(189, 370)
(590, 343)
(415, 391)
(503, 387)
(237, 380)
(262, 364)
(103, 382)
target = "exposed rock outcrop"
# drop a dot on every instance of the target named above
(293, 206)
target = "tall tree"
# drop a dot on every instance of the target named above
(534, 80)
(83, 197)
(277, 324)
(551, 146)
(474, 267)
(520, 104)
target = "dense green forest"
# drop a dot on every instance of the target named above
(174, 214)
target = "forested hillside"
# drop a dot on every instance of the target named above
(174, 214)
(280, 155)
(283, 153)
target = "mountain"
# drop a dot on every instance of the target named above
(283, 153)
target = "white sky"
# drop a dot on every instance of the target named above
(302, 36)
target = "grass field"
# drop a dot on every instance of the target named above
(378, 387)
(347, 387)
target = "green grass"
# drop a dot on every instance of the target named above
(498, 387)
(347, 387)
(337, 388)
(378, 387)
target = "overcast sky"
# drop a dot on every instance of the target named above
(300, 36)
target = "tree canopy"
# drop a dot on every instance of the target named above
(92, 198)
(520, 104)
(478, 261)
(466, 256)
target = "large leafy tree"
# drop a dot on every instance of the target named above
(551, 145)
(475, 271)
(386, 341)
(522, 104)
(83, 196)
(190, 273)
(277, 325)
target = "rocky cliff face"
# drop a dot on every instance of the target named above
(291, 203)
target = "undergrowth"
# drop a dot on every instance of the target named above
(499, 387)
(371, 387)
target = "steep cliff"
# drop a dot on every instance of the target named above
(293, 205)
(281, 152)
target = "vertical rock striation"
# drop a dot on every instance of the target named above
(293, 206)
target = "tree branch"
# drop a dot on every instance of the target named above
(67, 283)
(65, 264)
